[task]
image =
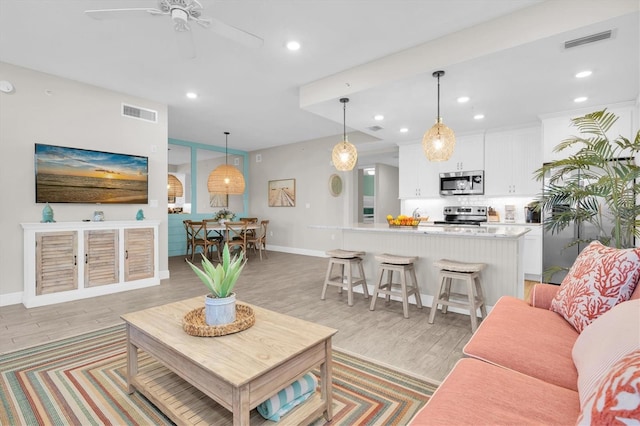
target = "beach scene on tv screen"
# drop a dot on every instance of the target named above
(71, 175)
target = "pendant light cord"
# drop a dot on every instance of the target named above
(344, 118)
(438, 96)
(226, 148)
(344, 121)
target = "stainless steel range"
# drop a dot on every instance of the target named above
(464, 215)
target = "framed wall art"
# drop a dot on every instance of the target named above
(282, 193)
(219, 200)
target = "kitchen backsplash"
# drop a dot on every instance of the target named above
(433, 207)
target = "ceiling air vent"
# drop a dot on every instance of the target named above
(375, 128)
(140, 113)
(588, 39)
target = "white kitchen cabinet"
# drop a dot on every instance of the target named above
(557, 128)
(511, 158)
(418, 178)
(467, 155)
(532, 263)
(66, 261)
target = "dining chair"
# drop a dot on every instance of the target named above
(199, 238)
(215, 237)
(189, 234)
(236, 236)
(251, 233)
(259, 242)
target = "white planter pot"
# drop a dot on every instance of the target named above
(220, 311)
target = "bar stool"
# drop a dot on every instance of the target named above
(347, 260)
(468, 273)
(404, 265)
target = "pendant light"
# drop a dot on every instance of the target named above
(225, 179)
(174, 188)
(439, 141)
(344, 155)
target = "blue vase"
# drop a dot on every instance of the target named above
(140, 215)
(47, 214)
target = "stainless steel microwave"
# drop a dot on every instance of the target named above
(462, 183)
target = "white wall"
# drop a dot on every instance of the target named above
(51, 110)
(309, 163)
(386, 198)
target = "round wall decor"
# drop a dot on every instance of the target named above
(335, 185)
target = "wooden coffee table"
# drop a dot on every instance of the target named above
(237, 371)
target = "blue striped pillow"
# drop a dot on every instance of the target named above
(284, 401)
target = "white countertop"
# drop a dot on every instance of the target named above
(495, 231)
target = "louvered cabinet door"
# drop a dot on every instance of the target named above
(101, 257)
(139, 246)
(56, 262)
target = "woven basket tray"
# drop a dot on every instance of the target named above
(194, 323)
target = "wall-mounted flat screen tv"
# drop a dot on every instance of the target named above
(73, 175)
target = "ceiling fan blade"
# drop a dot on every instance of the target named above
(117, 13)
(232, 33)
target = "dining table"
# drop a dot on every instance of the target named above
(220, 230)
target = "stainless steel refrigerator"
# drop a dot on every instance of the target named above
(555, 247)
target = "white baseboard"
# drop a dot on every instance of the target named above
(16, 298)
(305, 252)
(11, 298)
(426, 299)
(164, 275)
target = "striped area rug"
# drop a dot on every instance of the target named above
(81, 381)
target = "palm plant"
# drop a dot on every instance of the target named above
(601, 173)
(220, 279)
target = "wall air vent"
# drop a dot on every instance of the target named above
(588, 39)
(375, 128)
(140, 113)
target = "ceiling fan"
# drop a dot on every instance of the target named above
(182, 14)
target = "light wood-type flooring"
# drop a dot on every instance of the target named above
(286, 283)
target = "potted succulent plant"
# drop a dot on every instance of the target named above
(220, 303)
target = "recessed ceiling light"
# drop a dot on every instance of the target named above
(580, 99)
(378, 117)
(478, 116)
(463, 99)
(404, 130)
(192, 95)
(583, 74)
(293, 45)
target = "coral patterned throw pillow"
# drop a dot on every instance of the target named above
(600, 278)
(617, 398)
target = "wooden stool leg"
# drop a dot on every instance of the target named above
(389, 284)
(405, 297)
(472, 303)
(326, 280)
(376, 287)
(350, 284)
(416, 288)
(341, 277)
(436, 299)
(480, 293)
(365, 290)
(447, 294)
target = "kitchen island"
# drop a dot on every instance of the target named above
(501, 248)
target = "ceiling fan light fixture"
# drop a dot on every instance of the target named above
(344, 154)
(226, 179)
(439, 141)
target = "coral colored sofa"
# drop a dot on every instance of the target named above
(519, 367)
